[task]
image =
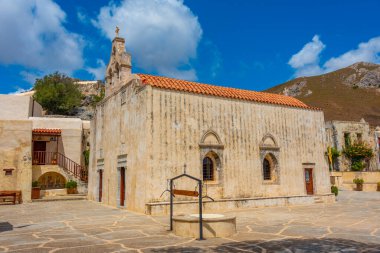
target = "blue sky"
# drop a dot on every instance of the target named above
(239, 43)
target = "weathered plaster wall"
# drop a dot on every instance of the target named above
(15, 150)
(18, 107)
(70, 143)
(181, 119)
(120, 129)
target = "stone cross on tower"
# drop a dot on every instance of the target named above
(117, 31)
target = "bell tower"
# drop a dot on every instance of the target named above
(119, 67)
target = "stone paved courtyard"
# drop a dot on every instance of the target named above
(350, 225)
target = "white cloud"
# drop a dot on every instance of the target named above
(31, 77)
(306, 61)
(366, 51)
(34, 37)
(162, 35)
(98, 72)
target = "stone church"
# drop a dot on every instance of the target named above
(249, 148)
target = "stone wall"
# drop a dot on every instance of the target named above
(181, 120)
(15, 150)
(344, 180)
(120, 129)
(335, 131)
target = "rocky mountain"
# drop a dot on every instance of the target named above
(349, 94)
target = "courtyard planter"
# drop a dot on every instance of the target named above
(359, 183)
(36, 190)
(71, 187)
(378, 186)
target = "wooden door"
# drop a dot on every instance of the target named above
(309, 181)
(122, 186)
(39, 152)
(100, 185)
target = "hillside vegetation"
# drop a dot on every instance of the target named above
(349, 94)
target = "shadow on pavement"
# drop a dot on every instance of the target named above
(286, 245)
(5, 226)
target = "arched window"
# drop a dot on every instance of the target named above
(266, 169)
(208, 169)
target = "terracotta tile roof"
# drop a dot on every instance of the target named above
(51, 131)
(219, 91)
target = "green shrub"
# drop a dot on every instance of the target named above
(86, 155)
(57, 93)
(71, 184)
(35, 184)
(358, 181)
(357, 166)
(334, 190)
(358, 151)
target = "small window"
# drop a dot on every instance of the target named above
(123, 97)
(267, 170)
(208, 169)
(359, 137)
(347, 139)
(8, 172)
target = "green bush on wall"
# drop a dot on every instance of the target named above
(71, 184)
(35, 184)
(357, 166)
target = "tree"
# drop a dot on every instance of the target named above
(57, 93)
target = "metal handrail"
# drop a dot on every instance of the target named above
(56, 158)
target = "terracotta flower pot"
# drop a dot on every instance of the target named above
(71, 190)
(36, 192)
(359, 187)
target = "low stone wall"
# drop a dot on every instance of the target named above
(344, 179)
(220, 205)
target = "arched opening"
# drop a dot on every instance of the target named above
(208, 169)
(117, 71)
(266, 170)
(51, 180)
(269, 167)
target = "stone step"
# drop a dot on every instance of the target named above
(318, 200)
(61, 198)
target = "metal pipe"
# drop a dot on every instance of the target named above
(171, 205)
(200, 212)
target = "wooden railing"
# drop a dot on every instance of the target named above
(55, 158)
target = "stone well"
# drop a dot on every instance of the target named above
(214, 225)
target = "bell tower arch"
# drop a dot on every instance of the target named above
(119, 68)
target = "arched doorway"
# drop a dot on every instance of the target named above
(51, 180)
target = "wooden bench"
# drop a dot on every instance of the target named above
(15, 195)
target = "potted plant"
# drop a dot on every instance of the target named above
(359, 183)
(378, 186)
(334, 190)
(54, 159)
(71, 187)
(36, 190)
